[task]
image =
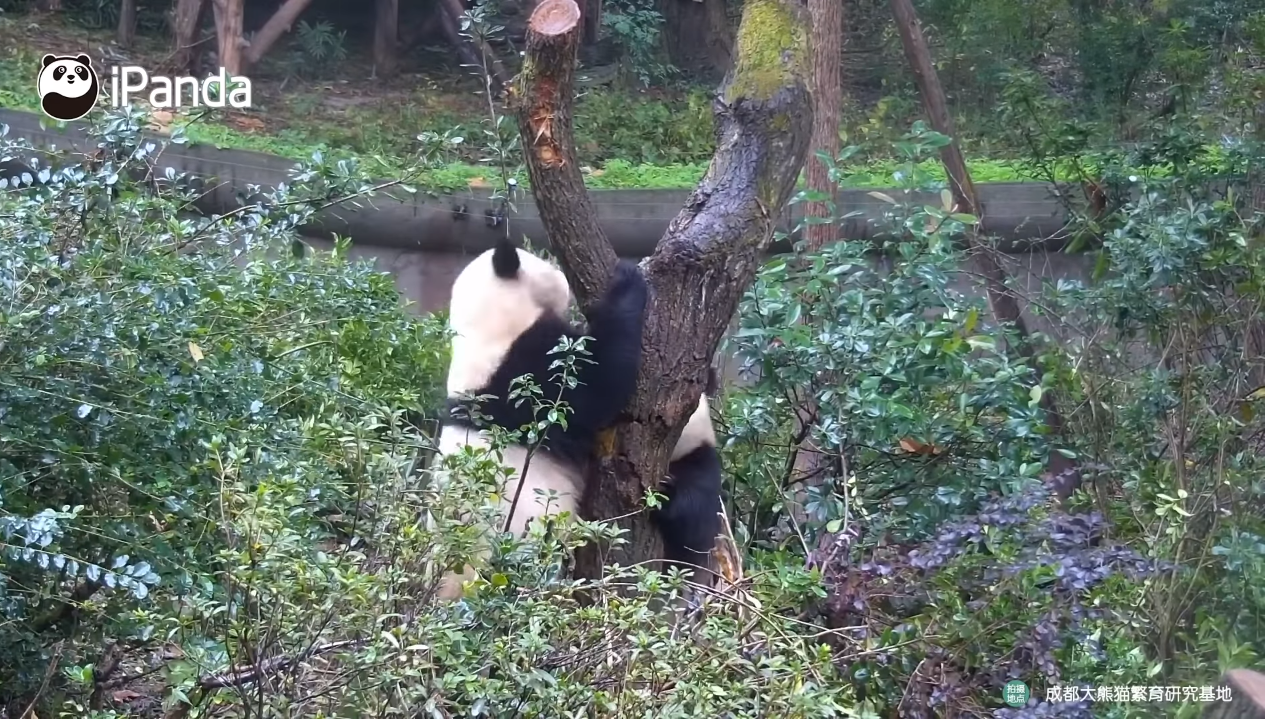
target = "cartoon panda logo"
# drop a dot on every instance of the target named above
(68, 86)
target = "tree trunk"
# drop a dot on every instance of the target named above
(697, 36)
(184, 25)
(228, 29)
(1005, 308)
(811, 464)
(279, 24)
(708, 255)
(592, 21)
(827, 36)
(386, 37)
(1247, 697)
(126, 34)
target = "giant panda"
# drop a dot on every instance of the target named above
(507, 312)
(688, 519)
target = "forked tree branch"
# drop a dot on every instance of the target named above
(543, 94)
(707, 257)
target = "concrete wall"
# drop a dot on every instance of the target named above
(633, 220)
(424, 241)
(425, 278)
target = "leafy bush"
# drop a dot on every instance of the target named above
(153, 361)
(1165, 352)
(945, 572)
(911, 388)
(213, 504)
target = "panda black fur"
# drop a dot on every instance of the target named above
(688, 519)
(508, 310)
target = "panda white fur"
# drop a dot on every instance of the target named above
(508, 311)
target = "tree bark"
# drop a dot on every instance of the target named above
(592, 15)
(1247, 697)
(827, 43)
(386, 34)
(184, 25)
(126, 33)
(228, 29)
(1002, 302)
(697, 36)
(811, 464)
(279, 24)
(708, 256)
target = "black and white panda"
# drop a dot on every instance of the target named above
(688, 519)
(508, 311)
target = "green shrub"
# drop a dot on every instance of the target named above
(945, 569)
(246, 530)
(149, 361)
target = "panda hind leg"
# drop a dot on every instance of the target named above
(689, 519)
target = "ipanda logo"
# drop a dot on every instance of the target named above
(68, 86)
(69, 89)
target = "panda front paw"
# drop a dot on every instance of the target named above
(628, 286)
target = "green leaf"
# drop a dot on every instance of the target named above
(972, 319)
(1034, 395)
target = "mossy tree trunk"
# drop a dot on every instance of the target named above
(709, 254)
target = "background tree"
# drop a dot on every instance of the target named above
(127, 23)
(827, 38)
(1004, 304)
(386, 37)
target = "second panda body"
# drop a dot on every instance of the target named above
(688, 520)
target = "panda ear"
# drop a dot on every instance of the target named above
(48, 59)
(85, 60)
(505, 261)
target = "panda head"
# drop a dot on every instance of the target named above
(495, 299)
(67, 86)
